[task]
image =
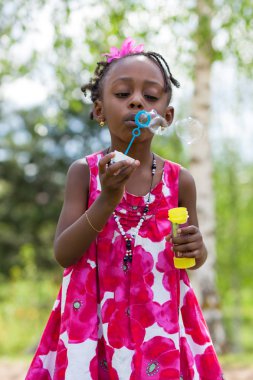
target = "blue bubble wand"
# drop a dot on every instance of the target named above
(143, 119)
(140, 124)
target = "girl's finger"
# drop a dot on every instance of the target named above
(123, 176)
(187, 239)
(168, 237)
(105, 161)
(196, 254)
(186, 247)
(188, 230)
(122, 168)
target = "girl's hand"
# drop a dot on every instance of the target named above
(189, 243)
(113, 177)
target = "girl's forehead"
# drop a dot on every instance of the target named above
(137, 66)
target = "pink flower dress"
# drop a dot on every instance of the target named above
(109, 323)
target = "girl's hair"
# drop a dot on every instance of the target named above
(95, 84)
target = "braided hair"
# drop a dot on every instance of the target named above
(95, 84)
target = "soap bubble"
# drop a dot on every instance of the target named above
(159, 126)
(189, 130)
(153, 121)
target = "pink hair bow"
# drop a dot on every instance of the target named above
(127, 47)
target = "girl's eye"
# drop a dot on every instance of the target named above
(151, 98)
(122, 94)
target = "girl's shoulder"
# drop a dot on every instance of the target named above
(186, 179)
(78, 175)
(187, 188)
(79, 167)
(79, 172)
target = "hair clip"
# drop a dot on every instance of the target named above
(127, 48)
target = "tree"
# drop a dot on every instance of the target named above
(201, 159)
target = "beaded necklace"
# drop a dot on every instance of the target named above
(127, 259)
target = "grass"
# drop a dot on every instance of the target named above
(25, 308)
(234, 361)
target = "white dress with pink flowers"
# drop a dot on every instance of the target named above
(142, 322)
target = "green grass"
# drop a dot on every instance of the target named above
(244, 360)
(238, 320)
(25, 308)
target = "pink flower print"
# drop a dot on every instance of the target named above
(141, 272)
(171, 283)
(67, 271)
(142, 276)
(101, 365)
(48, 343)
(142, 313)
(155, 231)
(112, 277)
(149, 279)
(80, 318)
(50, 337)
(158, 225)
(37, 372)
(167, 316)
(140, 293)
(157, 359)
(208, 366)
(61, 361)
(186, 360)
(110, 266)
(143, 263)
(165, 259)
(80, 315)
(193, 320)
(185, 278)
(126, 323)
(167, 313)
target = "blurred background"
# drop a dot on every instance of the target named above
(48, 50)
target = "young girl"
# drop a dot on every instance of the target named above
(124, 311)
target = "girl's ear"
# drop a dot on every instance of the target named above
(169, 114)
(98, 113)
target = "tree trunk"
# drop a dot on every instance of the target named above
(203, 280)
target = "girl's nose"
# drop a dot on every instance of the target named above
(136, 102)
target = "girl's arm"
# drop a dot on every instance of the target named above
(78, 227)
(190, 242)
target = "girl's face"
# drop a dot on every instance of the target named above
(132, 84)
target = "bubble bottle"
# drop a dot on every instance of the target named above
(178, 216)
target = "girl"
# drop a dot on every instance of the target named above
(124, 311)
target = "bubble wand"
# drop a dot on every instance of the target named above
(143, 119)
(140, 124)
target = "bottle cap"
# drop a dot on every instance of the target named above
(178, 215)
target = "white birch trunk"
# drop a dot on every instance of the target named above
(203, 279)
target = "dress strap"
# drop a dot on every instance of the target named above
(94, 186)
(171, 181)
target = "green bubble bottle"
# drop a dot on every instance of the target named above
(177, 216)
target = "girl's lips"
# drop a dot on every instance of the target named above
(130, 123)
(130, 117)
